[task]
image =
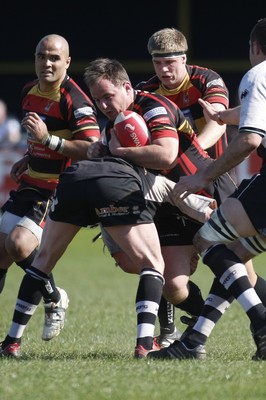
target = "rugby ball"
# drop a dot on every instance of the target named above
(131, 129)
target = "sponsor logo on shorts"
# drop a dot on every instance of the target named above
(116, 211)
(111, 211)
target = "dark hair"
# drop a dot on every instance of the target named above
(258, 34)
(105, 68)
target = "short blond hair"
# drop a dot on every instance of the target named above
(167, 40)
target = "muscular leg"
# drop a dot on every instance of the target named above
(21, 246)
(232, 283)
(219, 299)
(178, 290)
(56, 237)
(141, 244)
(6, 261)
(166, 317)
(256, 280)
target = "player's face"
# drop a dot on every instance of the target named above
(170, 70)
(51, 63)
(111, 99)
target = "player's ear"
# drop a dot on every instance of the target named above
(68, 61)
(128, 87)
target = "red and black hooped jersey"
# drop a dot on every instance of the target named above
(68, 113)
(199, 83)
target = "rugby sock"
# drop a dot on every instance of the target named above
(166, 316)
(29, 296)
(260, 287)
(26, 263)
(47, 294)
(148, 298)
(194, 302)
(215, 306)
(3, 273)
(217, 302)
(232, 274)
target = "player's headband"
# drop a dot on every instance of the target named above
(157, 53)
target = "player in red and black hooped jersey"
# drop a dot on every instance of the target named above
(172, 138)
(184, 84)
(165, 119)
(60, 120)
(199, 83)
(69, 114)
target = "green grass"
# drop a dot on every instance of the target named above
(92, 359)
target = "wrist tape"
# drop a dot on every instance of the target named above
(54, 143)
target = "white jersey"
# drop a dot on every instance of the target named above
(252, 95)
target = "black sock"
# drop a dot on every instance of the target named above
(30, 293)
(47, 289)
(225, 264)
(47, 295)
(260, 288)
(9, 340)
(194, 302)
(209, 312)
(166, 316)
(26, 263)
(149, 294)
(3, 273)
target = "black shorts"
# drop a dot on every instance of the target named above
(252, 195)
(31, 202)
(174, 228)
(111, 200)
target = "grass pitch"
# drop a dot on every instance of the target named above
(92, 359)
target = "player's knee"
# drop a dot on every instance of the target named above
(16, 247)
(177, 295)
(176, 290)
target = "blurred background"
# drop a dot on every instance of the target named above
(217, 34)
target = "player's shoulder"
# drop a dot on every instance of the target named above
(70, 89)
(28, 86)
(151, 99)
(197, 72)
(70, 84)
(257, 72)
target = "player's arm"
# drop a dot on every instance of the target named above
(77, 149)
(160, 154)
(74, 149)
(239, 148)
(212, 131)
(220, 116)
(19, 167)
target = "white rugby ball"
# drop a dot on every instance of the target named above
(131, 129)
